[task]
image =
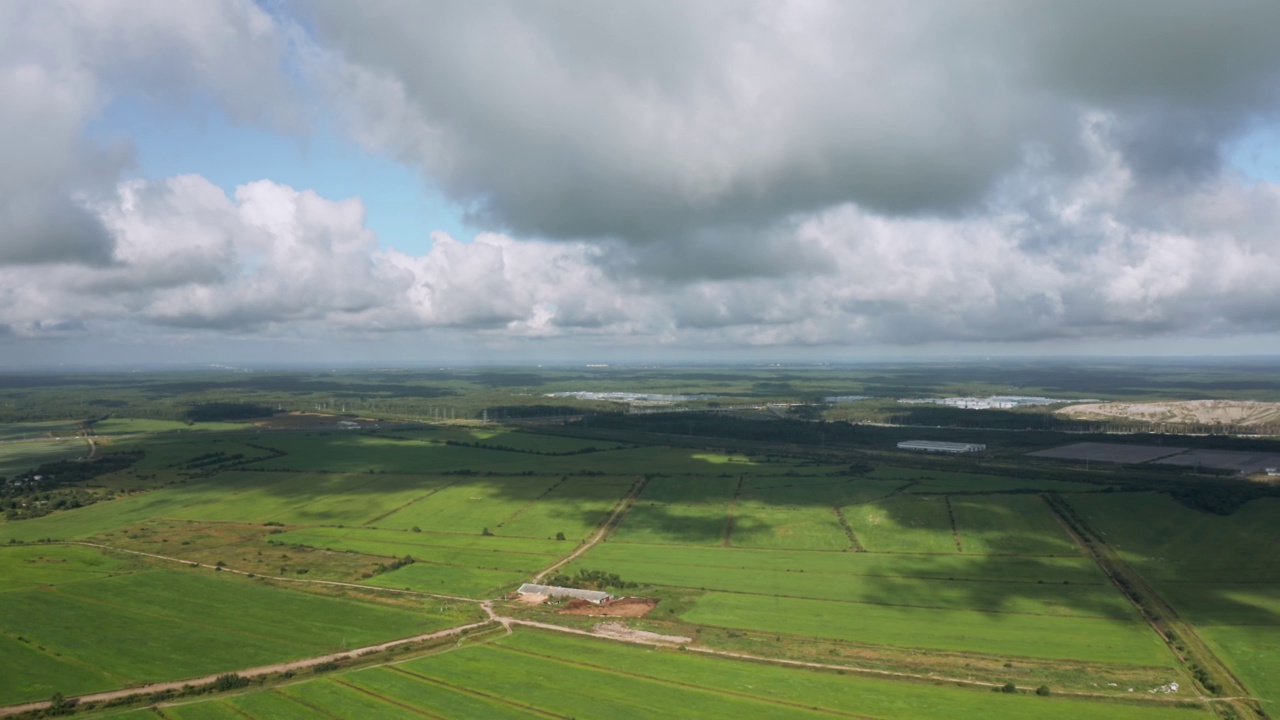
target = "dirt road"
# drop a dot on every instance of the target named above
(615, 517)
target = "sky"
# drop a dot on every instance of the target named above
(524, 181)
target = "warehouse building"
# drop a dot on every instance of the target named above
(591, 596)
(939, 446)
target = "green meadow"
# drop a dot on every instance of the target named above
(859, 559)
(534, 674)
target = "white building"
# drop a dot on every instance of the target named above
(939, 446)
(592, 596)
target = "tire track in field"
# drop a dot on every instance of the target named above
(1191, 651)
(317, 710)
(380, 698)
(955, 532)
(615, 518)
(854, 543)
(534, 501)
(691, 686)
(727, 536)
(472, 692)
(414, 501)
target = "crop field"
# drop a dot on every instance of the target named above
(538, 674)
(905, 524)
(1228, 587)
(17, 457)
(99, 622)
(856, 561)
(127, 426)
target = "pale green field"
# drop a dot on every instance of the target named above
(1009, 524)
(19, 457)
(538, 674)
(1005, 634)
(123, 426)
(903, 524)
(100, 632)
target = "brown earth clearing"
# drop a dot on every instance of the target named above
(622, 607)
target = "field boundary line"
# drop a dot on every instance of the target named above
(665, 681)
(261, 670)
(731, 514)
(550, 489)
(243, 573)
(472, 692)
(931, 678)
(955, 531)
(1159, 614)
(854, 544)
(379, 698)
(610, 524)
(411, 502)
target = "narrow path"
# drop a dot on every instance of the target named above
(336, 583)
(955, 532)
(250, 672)
(615, 518)
(1183, 642)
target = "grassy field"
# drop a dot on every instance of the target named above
(799, 553)
(112, 630)
(20, 456)
(125, 426)
(1222, 573)
(538, 674)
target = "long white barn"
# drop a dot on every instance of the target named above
(939, 446)
(592, 596)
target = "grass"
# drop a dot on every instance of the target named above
(906, 524)
(859, 590)
(19, 457)
(27, 567)
(168, 625)
(1169, 542)
(1065, 638)
(536, 674)
(1010, 524)
(123, 426)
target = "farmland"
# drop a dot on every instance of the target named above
(911, 586)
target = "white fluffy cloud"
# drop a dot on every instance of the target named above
(668, 174)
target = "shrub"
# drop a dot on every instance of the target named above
(1043, 691)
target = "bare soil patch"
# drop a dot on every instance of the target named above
(621, 607)
(1192, 412)
(532, 598)
(619, 631)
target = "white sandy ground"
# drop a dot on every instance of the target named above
(1226, 412)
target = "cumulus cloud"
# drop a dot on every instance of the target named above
(656, 122)
(711, 174)
(61, 62)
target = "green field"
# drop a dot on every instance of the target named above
(113, 630)
(20, 456)
(859, 559)
(538, 674)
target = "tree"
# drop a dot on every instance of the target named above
(560, 536)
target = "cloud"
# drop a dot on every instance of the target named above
(675, 175)
(61, 63)
(663, 122)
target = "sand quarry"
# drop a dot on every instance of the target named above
(1225, 412)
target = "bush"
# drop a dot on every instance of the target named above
(1008, 688)
(230, 681)
(1043, 691)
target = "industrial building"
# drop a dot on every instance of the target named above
(591, 596)
(939, 446)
